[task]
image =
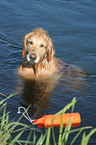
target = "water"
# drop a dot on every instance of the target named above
(72, 27)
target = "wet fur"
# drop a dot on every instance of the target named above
(47, 64)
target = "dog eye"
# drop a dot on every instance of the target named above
(42, 45)
(30, 42)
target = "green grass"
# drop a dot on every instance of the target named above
(11, 131)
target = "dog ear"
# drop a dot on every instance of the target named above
(50, 51)
(50, 54)
(24, 51)
(25, 44)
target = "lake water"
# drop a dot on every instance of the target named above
(72, 27)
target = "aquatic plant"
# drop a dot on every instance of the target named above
(11, 132)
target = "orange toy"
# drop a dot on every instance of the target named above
(46, 120)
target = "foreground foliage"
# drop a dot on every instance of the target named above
(11, 131)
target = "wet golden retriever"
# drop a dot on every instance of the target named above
(39, 61)
(38, 53)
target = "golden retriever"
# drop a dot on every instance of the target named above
(39, 61)
(38, 53)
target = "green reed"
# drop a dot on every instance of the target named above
(11, 132)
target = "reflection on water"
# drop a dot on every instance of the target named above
(36, 93)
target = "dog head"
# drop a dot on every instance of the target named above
(37, 44)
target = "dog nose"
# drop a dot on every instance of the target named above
(33, 56)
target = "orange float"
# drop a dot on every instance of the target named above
(46, 120)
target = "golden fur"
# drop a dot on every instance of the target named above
(39, 61)
(38, 52)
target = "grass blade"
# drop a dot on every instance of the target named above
(48, 136)
(67, 132)
(83, 139)
(76, 137)
(16, 138)
(41, 140)
(28, 137)
(1, 102)
(89, 135)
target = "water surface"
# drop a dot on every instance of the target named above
(72, 27)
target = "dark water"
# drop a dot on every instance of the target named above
(72, 27)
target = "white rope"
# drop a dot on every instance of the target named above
(26, 116)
